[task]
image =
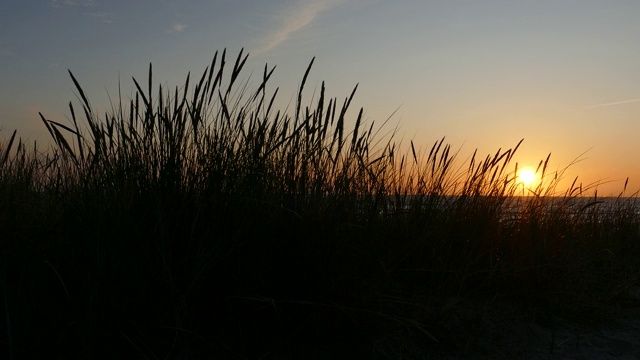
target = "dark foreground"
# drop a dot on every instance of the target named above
(197, 224)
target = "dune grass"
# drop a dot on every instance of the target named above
(205, 221)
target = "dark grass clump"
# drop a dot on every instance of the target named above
(203, 221)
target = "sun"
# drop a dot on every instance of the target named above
(526, 176)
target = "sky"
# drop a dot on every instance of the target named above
(563, 75)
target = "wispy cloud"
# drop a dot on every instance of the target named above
(297, 18)
(614, 103)
(102, 16)
(179, 27)
(7, 53)
(84, 3)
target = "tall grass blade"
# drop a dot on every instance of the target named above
(8, 149)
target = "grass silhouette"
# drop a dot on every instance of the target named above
(203, 221)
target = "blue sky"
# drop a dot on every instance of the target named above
(564, 75)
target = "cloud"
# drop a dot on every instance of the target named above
(84, 3)
(7, 53)
(179, 27)
(102, 16)
(301, 15)
(614, 103)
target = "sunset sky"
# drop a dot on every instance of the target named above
(564, 75)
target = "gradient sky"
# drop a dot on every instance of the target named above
(564, 75)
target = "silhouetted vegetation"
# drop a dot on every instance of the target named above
(204, 222)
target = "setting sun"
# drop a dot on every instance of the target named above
(526, 176)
